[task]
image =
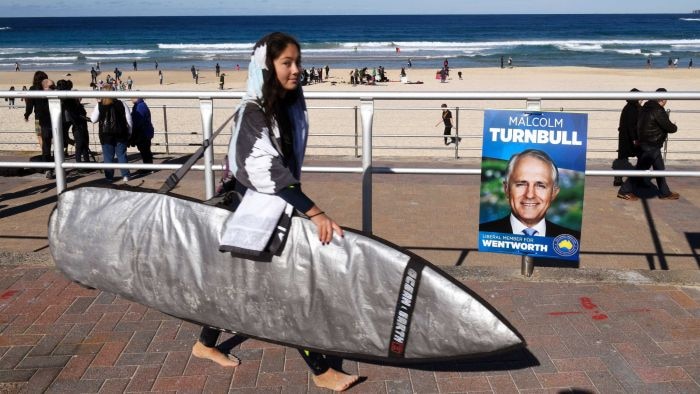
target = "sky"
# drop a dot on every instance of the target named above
(44, 8)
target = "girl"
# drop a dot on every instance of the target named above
(265, 154)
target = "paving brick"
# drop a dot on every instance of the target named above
(16, 375)
(141, 359)
(661, 374)
(75, 386)
(80, 305)
(272, 360)
(585, 364)
(274, 379)
(108, 336)
(634, 356)
(114, 386)
(564, 379)
(140, 341)
(460, 385)
(525, 379)
(51, 314)
(175, 364)
(604, 382)
(144, 378)
(423, 381)
(41, 380)
(43, 362)
(246, 375)
(76, 367)
(137, 325)
(502, 384)
(13, 356)
(181, 383)
(109, 354)
(108, 321)
(121, 371)
(78, 333)
(76, 348)
(381, 372)
(218, 383)
(46, 345)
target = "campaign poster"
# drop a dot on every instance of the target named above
(532, 182)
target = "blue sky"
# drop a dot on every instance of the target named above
(42, 8)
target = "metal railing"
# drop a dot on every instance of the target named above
(169, 138)
(366, 108)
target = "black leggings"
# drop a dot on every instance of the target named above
(316, 361)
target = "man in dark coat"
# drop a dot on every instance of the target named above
(531, 185)
(653, 129)
(627, 139)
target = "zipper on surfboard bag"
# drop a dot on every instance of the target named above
(404, 308)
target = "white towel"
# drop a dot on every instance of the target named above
(252, 224)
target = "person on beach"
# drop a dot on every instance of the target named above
(447, 120)
(690, 63)
(221, 81)
(41, 117)
(160, 77)
(328, 69)
(93, 75)
(75, 119)
(129, 82)
(218, 69)
(114, 120)
(11, 100)
(266, 153)
(17, 66)
(510, 62)
(627, 139)
(502, 65)
(653, 129)
(142, 131)
(136, 68)
(156, 64)
(649, 61)
(193, 71)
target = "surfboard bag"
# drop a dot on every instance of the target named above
(357, 297)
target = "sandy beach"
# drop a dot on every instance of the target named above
(401, 128)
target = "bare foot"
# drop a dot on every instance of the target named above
(335, 380)
(213, 354)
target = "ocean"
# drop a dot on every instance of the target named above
(619, 41)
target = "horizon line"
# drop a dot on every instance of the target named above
(295, 15)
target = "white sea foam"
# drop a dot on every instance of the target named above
(116, 58)
(5, 28)
(207, 46)
(45, 58)
(690, 19)
(115, 51)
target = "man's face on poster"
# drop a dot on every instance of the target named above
(531, 189)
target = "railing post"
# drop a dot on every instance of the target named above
(165, 126)
(527, 263)
(367, 112)
(57, 131)
(457, 132)
(357, 152)
(207, 108)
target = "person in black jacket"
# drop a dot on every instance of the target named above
(75, 117)
(627, 139)
(42, 114)
(653, 128)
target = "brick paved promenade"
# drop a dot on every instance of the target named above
(631, 329)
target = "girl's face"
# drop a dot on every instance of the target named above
(287, 67)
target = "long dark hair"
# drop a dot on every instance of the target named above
(39, 76)
(274, 95)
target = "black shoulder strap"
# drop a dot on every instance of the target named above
(177, 176)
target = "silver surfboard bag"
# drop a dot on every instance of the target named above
(359, 296)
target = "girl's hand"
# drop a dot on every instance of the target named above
(325, 226)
